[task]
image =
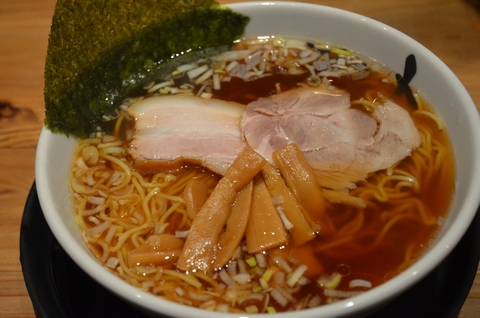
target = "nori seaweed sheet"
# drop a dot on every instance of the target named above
(103, 51)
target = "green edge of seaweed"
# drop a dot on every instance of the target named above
(88, 74)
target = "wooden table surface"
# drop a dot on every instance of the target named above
(449, 28)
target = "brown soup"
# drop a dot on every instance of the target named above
(118, 209)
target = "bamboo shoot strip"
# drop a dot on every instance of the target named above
(244, 168)
(265, 228)
(161, 249)
(301, 180)
(308, 257)
(235, 227)
(301, 231)
(201, 244)
(195, 195)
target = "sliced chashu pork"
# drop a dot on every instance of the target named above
(340, 143)
(171, 130)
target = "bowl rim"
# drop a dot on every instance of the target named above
(351, 305)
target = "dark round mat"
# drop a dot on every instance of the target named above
(59, 288)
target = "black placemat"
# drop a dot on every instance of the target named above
(59, 288)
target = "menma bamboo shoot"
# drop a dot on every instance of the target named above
(159, 249)
(195, 195)
(235, 227)
(301, 180)
(201, 245)
(301, 231)
(265, 228)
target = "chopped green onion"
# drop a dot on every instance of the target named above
(263, 283)
(257, 289)
(251, 309)
(252, 262)
(271, 310)
(330, 282)
(295, 276)
(340, 51)
(267, 275)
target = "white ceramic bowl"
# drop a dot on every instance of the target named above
(374, 39)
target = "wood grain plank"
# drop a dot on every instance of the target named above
(17, 174)
(24, 29)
